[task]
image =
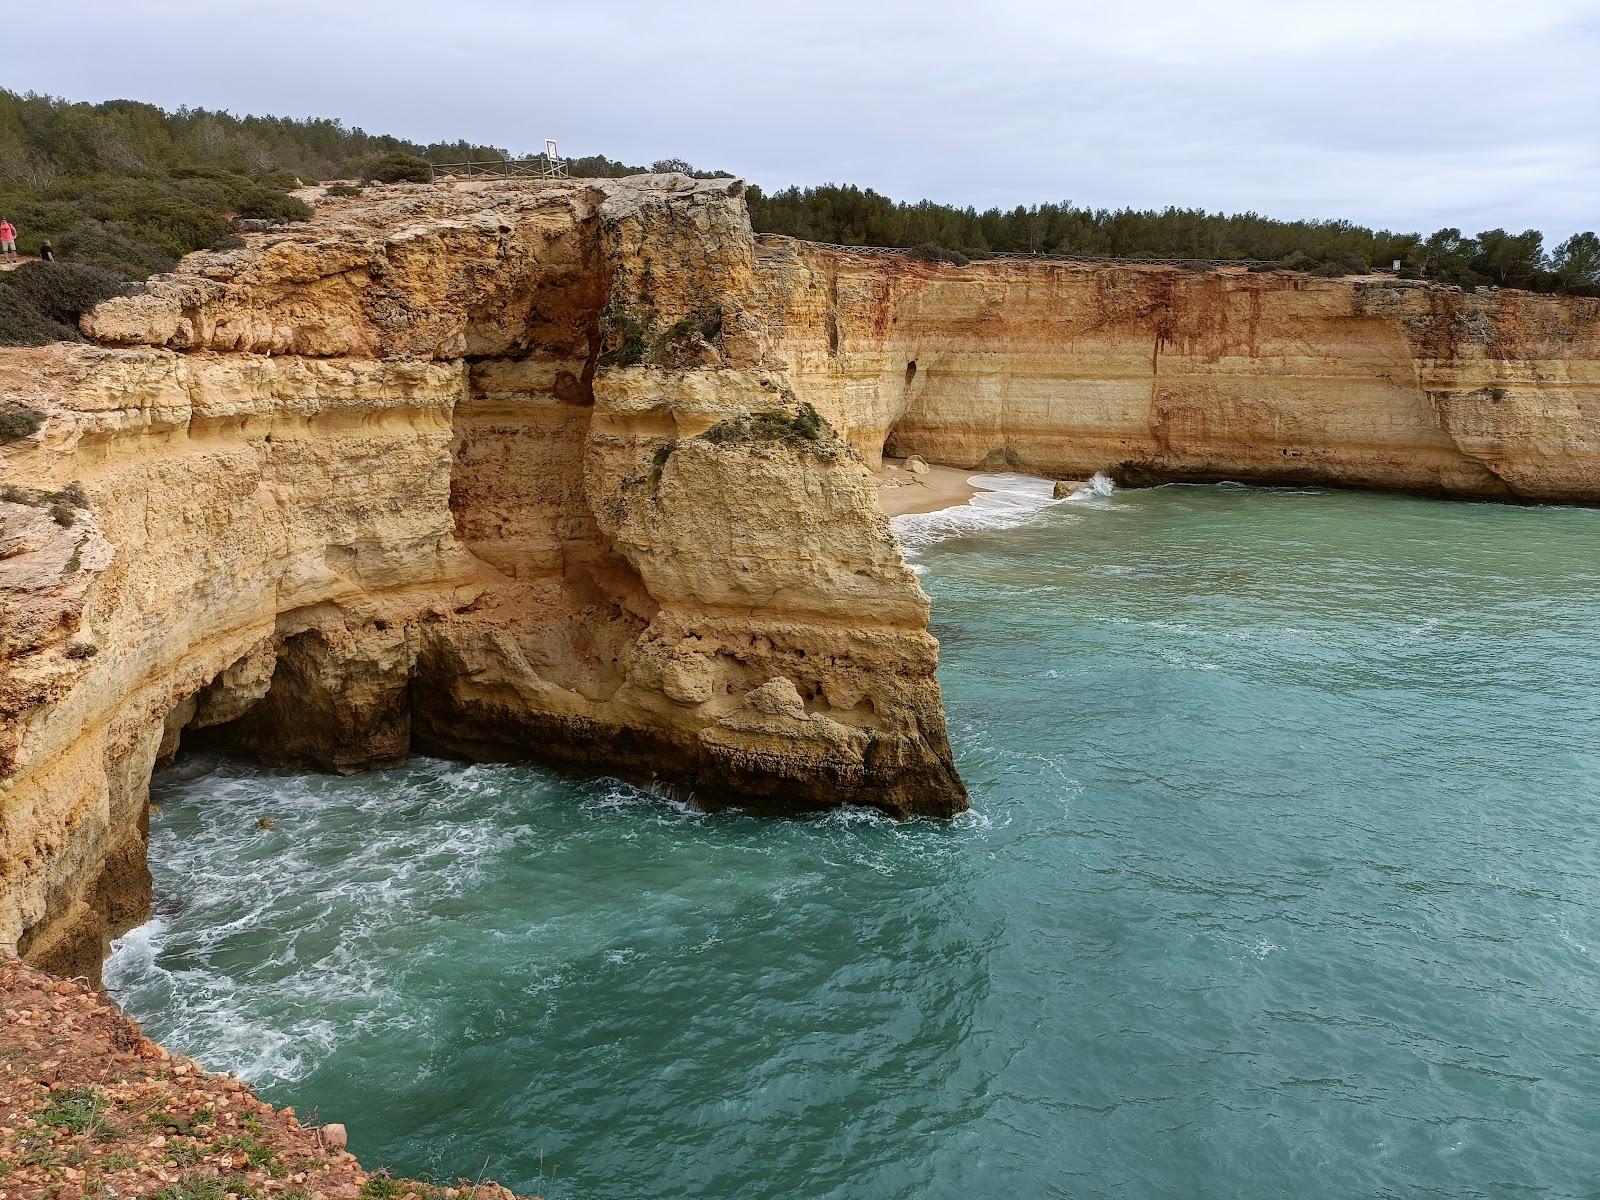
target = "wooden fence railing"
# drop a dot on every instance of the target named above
(537, 167)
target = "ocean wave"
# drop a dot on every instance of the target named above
(1098, 486)
(135, 956)
(1005, 500)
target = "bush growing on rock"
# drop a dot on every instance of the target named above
(41, 302)
(686, 339)
(63, 291)
(15, 424)
(623, 335)
(268, 204)
(397, 166)
(124, 253)
(929, 252)
(808, 423)
(21, 324)
(804, 428)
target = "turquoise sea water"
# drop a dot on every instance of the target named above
(1282, 880)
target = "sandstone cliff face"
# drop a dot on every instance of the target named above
(427, 473)
(527, 470)
(1158, 374)
(231, 505)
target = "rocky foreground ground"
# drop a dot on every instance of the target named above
(90, 1107)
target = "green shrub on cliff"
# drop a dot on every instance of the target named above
(808, 423)
(624, 338)
(22, 324)
(269, 204)
(804, 428)
(16, 423)
(397, 166)
(41, 302)
(62, 291)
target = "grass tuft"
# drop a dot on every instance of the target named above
(77, 1110)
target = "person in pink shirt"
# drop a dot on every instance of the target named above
(8, 239)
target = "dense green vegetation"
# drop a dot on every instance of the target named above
(40, 302)
(123, 190)
(129, 189)
(861, 217)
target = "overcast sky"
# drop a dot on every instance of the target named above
(1402, 113)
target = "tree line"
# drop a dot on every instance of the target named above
(854, 216)
(131, 188)
(125, 189)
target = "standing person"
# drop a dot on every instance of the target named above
(8, 239)
(46, 254)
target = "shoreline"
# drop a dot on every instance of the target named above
(96, 1107)
(904, 493)
(934, 503)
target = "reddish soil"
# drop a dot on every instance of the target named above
(91, 1108)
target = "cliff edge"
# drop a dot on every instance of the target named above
(92, 1107)
(495, 471)
(1156, 374)
(580, 472)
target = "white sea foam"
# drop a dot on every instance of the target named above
(134, 955)
(1099, 484)
(1004, 501)
(238, 884)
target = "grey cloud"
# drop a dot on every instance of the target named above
(1405, 113)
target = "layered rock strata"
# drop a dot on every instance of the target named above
(1155, 374)
(580, 472)
(505, 473)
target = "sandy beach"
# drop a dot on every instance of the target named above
(902, 492)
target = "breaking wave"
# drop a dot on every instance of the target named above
(1004, 500)
(1275, 807)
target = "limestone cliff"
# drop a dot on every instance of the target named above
(1155, 374)
(535, 470)
(468, 470)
